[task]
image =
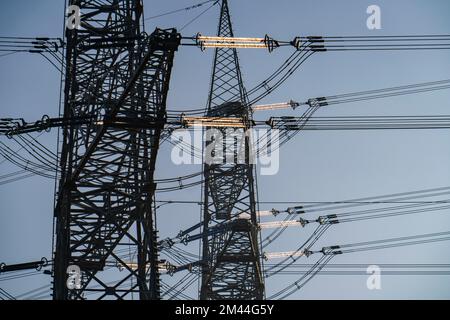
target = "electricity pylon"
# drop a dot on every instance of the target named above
(118, 75)
(231, 259)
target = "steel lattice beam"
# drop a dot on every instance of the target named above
(104, 202)
(232, 261)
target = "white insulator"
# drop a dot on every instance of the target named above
(280, 224)
(234, 45)
(244, 215)
(277, 255)
(133, 266)
(264, 213)
(213, 122)
(229, 39)
(273, 106)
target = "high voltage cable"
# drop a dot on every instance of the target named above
(33, 292)
(361, 95)
(397, 198)
(38, 45)
(179, 10)
(198, 16)
(285, 125)
(39, 168)
(314, 44)
(178, 292)
(381, 93)
(269, 87)
(395, 88)
(283, 78)
(363, 123)
(18, 175)
(321, 230)
(355, 97)
(364, 215)
(386, 243)
(305, 278)
(7, 54)
(332, 251)
(7, 295)
(19, 276)
(381, 265)
(368, 214)
(185, 282)
(29, 38)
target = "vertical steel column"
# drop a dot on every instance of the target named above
(232, 262)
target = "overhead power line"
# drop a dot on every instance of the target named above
(329, 252)
(198, 5)
(111, 139)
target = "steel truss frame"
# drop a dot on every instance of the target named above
(105, 197)
(231, 259)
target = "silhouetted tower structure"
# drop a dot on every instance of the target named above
(232, 261)
(118, 77)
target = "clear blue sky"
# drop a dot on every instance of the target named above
(315, 166)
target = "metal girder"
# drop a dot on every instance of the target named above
(231, 266)
(105, 196)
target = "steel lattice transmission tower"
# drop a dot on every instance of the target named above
(231, 258)
(119, 77)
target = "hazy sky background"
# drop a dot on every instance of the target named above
(315, 166)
